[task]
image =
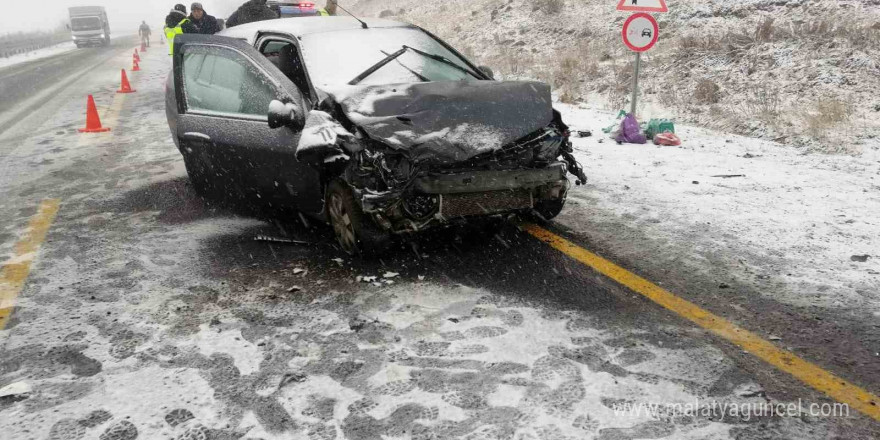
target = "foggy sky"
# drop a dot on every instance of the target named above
(125, 15)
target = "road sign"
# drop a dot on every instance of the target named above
(642, 6)
(640, 32)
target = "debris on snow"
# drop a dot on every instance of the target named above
(291, 378)
(728, 176)
(860, 258)
(749, 390)
(15, 391)
(266, 238)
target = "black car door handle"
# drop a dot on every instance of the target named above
(198, 137)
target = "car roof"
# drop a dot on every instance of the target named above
(300, 26)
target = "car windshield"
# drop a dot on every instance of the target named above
(85, 23)
(335, 58)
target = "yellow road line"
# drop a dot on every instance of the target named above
(15, 271)
(808, 373)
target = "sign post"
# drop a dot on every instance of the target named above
(640, 33)
(635, 96)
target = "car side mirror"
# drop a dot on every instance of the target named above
(283, 115)
(488, 71)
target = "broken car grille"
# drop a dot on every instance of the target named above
(472, 204)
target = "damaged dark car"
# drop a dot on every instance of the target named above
(378, 128)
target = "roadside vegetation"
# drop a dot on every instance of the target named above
(794, 71)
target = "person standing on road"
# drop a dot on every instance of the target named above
(251, 11)
(176, 23)
(201, 21)
(144, 32)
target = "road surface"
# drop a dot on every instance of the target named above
(131, 308)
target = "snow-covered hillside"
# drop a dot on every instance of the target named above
(803, 72)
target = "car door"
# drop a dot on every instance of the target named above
(223, 88)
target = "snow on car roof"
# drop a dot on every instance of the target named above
(299, 26)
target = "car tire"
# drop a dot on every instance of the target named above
(356, 233)
(547, 209)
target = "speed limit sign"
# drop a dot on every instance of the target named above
(640, 32)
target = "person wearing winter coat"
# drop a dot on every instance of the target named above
(144, 33)
(201, 21)
(251, 11)
(176, 23)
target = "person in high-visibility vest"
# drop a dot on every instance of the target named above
(176, 23)
(328, 10)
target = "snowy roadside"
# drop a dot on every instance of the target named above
(793, 226)
(37, 54)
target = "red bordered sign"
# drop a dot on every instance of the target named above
(642, 6)
(640, 32)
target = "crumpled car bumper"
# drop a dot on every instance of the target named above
(435, 199)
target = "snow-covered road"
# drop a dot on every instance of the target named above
(149, 314)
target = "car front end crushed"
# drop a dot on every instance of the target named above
(404, 198)
(402, 195)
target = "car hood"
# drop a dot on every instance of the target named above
(447, 122)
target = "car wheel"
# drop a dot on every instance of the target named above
(355, 231)
(547, 209)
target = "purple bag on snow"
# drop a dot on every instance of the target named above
(630, 131)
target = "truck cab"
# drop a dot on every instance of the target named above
(89, 26)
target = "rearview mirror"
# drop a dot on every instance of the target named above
(488, 71)
(282, 114)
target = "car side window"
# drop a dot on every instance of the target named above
(285, 56)
(222, 81)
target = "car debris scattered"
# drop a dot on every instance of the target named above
(15, 392)
(268, 239)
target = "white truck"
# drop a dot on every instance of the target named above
(89, 26)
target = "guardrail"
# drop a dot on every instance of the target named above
(13, 45)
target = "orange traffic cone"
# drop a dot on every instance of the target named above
(93, 121)
(134, 66)
(126, 87)
(136, 56)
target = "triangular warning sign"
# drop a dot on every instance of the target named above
(642, 6)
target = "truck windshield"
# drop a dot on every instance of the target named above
(85, 23)
(335, 58)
